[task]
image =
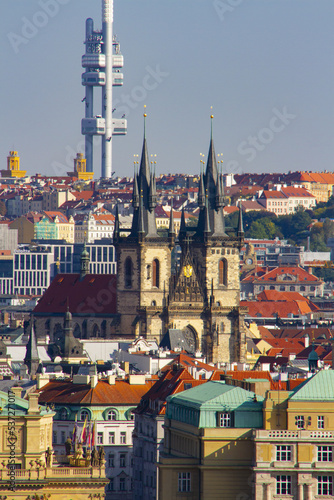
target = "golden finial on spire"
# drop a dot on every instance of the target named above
(145, 115)
(211, 116)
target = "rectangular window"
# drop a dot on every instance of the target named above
(122, 483)
(62, 437)
(111, 438)
(122, 460)
(123, 438)
(325, 454)
(111, 484)
(325, 485)
(224, 420)
(283, 453)
(111, 460)
(100, 438)
(300, 421)
(54, 437)
(283, 485)
(321, 422)
(184, 481)
(45, 260)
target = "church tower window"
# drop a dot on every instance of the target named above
(222, 272)
(156, 273)
(128, 272)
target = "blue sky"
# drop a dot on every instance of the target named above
(266, 67)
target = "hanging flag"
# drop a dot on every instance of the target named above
(88, 440)
(93, 434)
(75, 429)
(84, 432)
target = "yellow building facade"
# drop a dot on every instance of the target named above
(287, 455)
(13, 166)
(80, 169)
(27, 470)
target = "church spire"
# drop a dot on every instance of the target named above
(32, 358)
(144, 197)
(240, 223)
(171, 229)
(116, 225)
(211, 214)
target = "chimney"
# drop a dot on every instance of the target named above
(33, 403)
(93, 381)
(306, 341)
(111, 379)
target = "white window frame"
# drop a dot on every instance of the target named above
(99, 438)
(184, 482)
(225, 420)
(325, 485)
(112, 415)
(123, 438)
(321, 422)
(283, 485)
(325, 454)
(111, 438)
(283, 453)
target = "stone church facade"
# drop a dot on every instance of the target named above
(200, 297)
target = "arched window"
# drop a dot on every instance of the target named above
(63, 414)
(128, 272)
(111, 415)
(292, 288)
(156, 273)
(302, 288)
(222, 272)
(282, 288)
(84, 414)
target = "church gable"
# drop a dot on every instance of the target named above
(185, 286)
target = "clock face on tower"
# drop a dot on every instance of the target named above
(188, 271)
(249, 261)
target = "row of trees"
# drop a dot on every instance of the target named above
(296, 228)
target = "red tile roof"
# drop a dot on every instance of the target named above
(94, 294)
(120, 393)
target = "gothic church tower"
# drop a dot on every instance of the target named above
(143, 261)
(199, 302)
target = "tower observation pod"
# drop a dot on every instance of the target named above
(102, 62)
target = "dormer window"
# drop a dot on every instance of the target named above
(224, 419)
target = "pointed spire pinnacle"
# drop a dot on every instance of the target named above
(207, 229)
(171, 230)
(141, 225)
(211, 116)
(144, 115)
(201, 192)
(240, 223)
(135, 195)
(116, 225)
(32, 358)
(183, 227)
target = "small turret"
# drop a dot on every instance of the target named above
(84, 263)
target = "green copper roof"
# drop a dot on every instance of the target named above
(215, 393)
(318, 388)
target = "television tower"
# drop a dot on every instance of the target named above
(102, 62)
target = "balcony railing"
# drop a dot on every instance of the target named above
(54, 472)
(300, 434)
